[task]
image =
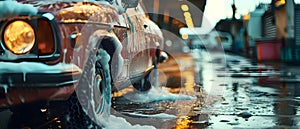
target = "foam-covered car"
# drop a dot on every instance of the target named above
(50, 49)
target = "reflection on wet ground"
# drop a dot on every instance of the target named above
(232, 92)
(256, 95)
(170, 105)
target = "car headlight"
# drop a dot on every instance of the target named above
(19, 37)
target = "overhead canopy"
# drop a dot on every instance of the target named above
(174, 9)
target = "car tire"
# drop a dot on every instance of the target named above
(94, 88)
(102, 88)
(75, 117)
(143, 85)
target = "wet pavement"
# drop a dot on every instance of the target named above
(255, 95)
(213, 90)
(232, 92)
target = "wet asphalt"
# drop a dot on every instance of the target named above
(232, 92)
(254, 94)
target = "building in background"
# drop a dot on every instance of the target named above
(254, 29)
(233, 27)
(274, 30)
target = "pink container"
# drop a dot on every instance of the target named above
(268, 49)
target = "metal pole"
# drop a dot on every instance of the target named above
(233, 9)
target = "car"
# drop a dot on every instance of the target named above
(76, 54)
(212, 40)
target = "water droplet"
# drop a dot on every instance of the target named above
(43, 110)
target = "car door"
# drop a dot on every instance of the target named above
(137, 45)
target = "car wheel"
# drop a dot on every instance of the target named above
(94, 88)
(74, 116)
(143, 85)
(102, 85)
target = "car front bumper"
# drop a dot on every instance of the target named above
(38, 80)
(19, 86)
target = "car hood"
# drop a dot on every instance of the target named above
(77, 11)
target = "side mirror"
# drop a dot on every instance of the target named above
(130, 3)
(163, 57)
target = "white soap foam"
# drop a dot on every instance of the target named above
(159, 116)
(13, 8)
(156, 94)
(121, 123)
(34, 67)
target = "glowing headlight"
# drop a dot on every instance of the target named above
(19, 37)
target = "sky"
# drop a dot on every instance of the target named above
(220, 9)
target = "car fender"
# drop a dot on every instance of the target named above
(110, 43)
